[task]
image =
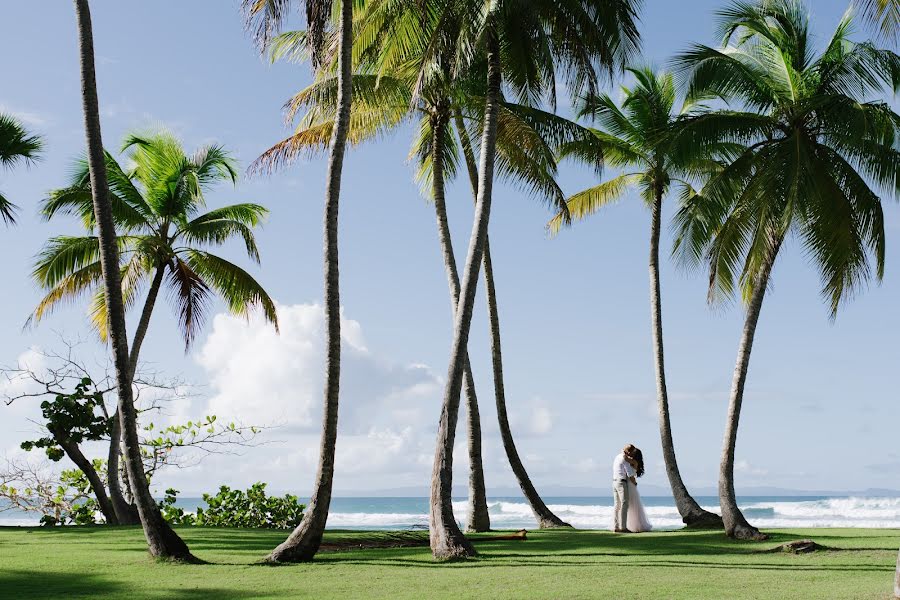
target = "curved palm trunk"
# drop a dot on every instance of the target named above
(735, 524)
(478, 518)
(126, 512)
(897, 578)
(447, 541)
(76, 456)
(545, 518)
(691, 512)
(144, 323)
(162, 541)
(304, 541)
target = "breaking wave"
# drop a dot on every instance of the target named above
(596, 513)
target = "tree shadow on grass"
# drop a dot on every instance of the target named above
(34, 585)
(232, 540)
(699, 550)
(636, 564)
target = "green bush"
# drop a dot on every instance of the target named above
(237, 508)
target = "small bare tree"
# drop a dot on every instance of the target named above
(32, 486)
(78, 406)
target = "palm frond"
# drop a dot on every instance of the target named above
(240, 291)
(589, 201)
(67, 289)
(16, 144)
(884, 15)
(219, 225)
(190, 295)
(7, 210)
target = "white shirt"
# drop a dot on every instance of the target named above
(621, 468)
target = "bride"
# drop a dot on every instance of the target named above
(637, 521)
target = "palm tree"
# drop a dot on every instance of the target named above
(16, 146)
(543, 515)
(383, 101)
(156, 211)
(268, 16)
(162, 540)
(634, 138)
(814, 142)
(884, 15)
(537, 38)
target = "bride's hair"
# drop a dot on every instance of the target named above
(639, 459)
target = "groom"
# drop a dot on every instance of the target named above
(623, 471)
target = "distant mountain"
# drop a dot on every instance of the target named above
(593, 491)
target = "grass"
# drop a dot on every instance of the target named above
(107, 562)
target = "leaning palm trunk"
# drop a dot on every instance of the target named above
(304, 541)
(126, 512)
(897, 578)
(478, 517)
(81, 461)
(162, 541)
(447, 541)
(542, 514)
(691, 512)
(735, 524)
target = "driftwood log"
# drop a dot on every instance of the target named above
(518, 535)
(798, 547)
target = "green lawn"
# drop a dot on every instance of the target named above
(101, 562)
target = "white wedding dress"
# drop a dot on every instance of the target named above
(637, 516)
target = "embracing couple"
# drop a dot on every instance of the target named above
(628, 510)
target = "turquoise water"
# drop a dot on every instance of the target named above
(592, 512)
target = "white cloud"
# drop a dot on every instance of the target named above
(34, 119)
(12, 385)
(258, 376)
(271, 378)
(541, 420)
(742, 466)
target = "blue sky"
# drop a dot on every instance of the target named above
(821, 405)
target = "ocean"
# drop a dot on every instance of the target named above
(592, 512)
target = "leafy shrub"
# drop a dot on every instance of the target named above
(237, 508)
(172, 513)
(71, 418)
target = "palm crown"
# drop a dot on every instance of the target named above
(163, 235)
(636, 138)
(16, 146)
(816, 144)
(525, 141)
(538, 40)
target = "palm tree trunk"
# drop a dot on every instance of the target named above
(545, 518)
(144, 323)
(543, 515)
(447, 541)
(127, 513)
(897, 578)
(162, 541)
(76, 456)
(735, 524)
(691, 512)
(478, 518)
(304, 541)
